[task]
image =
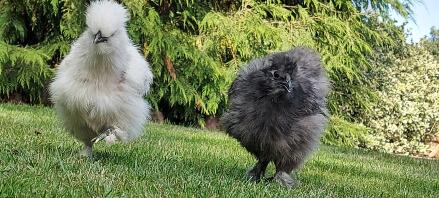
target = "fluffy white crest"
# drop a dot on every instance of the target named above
(106, 16)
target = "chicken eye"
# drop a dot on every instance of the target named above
(275, 74)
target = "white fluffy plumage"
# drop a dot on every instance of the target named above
(100, 85)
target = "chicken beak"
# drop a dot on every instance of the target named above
(99, 38)
(288, 83)
(289, 86)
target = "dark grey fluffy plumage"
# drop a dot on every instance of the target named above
(277, 110)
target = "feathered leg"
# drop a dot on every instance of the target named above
(283, 171)
(257, 171)
(110, 134)
(106, 131)
(285, 179)
(120, 134)
(88, 150)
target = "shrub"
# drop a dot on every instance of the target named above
(408, 111)
(343, 133)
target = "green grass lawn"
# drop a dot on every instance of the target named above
(38, 158)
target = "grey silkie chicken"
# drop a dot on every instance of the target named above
(277, 111)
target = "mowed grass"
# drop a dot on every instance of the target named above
(38, 158)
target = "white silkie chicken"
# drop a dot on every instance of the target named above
(99, 88)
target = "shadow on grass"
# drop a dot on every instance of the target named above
(135, 158)
(192, 165)
(24, 108)
(382, 157)
(373, 180)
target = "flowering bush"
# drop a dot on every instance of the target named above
(408, 111)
